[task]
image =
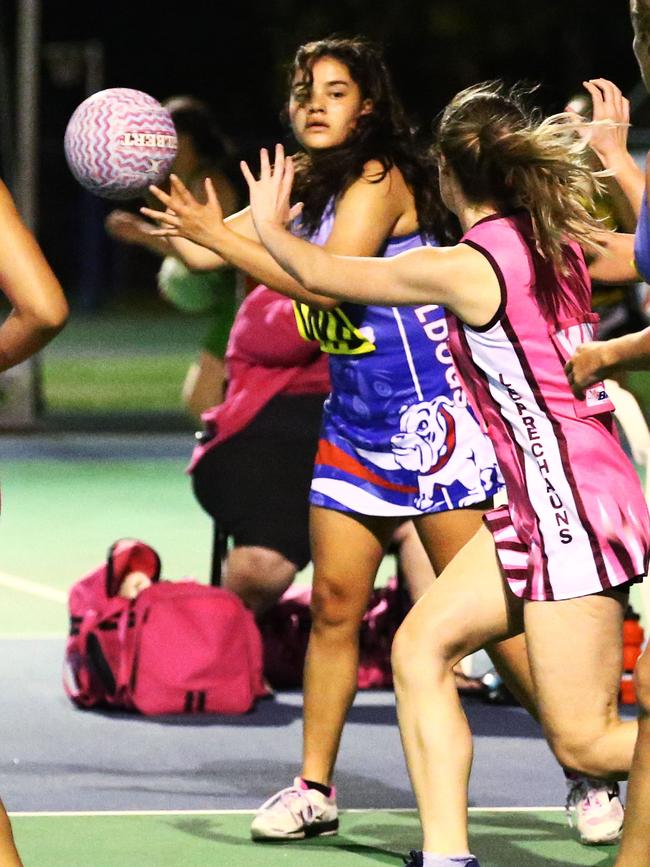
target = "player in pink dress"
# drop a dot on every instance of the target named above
(558, 561)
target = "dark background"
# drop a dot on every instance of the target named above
(234, 56)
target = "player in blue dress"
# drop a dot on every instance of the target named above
(398, 440)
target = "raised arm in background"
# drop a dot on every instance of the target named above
(363, 220)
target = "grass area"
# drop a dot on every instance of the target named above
(136, 361)
(121, 362)
(150, 383)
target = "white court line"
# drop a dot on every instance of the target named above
(23, 585)
(91, 813)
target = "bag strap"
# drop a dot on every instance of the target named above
(77, 684)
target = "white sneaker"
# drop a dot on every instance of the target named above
(595, 809)
(295, 813)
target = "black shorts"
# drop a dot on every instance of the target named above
(256, 484)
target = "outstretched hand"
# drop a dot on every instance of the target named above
(588, 366)
(607, 135)
(184, 216)
(270, 194)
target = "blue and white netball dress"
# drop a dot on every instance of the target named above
(398, 438)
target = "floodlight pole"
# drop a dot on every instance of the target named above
(27, 388)
(27, 100)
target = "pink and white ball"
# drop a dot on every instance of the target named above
(118, 141)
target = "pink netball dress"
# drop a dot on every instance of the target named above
(576, 522)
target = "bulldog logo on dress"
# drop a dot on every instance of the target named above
(432, 442)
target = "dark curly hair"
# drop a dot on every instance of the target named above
(384, 134)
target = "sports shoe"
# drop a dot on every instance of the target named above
(595, 809)
(416, 859)
(295, 813)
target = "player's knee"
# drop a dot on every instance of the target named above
(333, 606)
(420, 650)
(254, 572)
(580, 751)
(642, 682)
(404, 644)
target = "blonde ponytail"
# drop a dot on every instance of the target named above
(503, 154)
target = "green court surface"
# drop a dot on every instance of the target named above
(60, 516)
(527, 838)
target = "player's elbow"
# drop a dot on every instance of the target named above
(308, 280)
(200, 266)
(321, 302)
(50, 317)
(322, 299)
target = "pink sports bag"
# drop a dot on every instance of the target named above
(178, 647)
(285, 633)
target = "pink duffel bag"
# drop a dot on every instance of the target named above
(177, 647)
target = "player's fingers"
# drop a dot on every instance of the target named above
(169, 219)
(278, 163)
(265, 166)
(625, 111)
(247, 173)
(613, 99)
(161, 195)
(181, 190)
(596, 96)
(287, 180)
(211, 193)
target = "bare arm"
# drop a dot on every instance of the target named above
(609, 143)
(39, 306)
(425, 275)
(131, 229)
(614, 263)
(595, 361)
(365, 216)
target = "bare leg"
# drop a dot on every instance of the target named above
(8, 854)
(259, 576)
(443, 535)
(575, 649)
(204, 384)
(467, 607)
(510, 658)
(415, 564)
(347, 552)
(635, 846)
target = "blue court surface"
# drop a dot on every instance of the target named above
(99, 788)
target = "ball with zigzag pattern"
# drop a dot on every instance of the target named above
(118, 141)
